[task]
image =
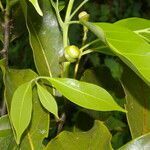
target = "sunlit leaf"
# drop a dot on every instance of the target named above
(36, 132)
(127, 45)
(47, 100)
(139, 25)
(85, 94)
(21, 115)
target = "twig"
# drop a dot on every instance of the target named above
(6, 30)
(4, 51)
(1, 6)
(61, 123)
(3, 110)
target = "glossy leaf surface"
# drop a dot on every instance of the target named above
(45, 38)
(139, 25)
(98, 137)
(141, 143)
(47, 100)
(85, 94)
(137, 103)
(127, 45)
(21, 115)
(36, 132)
(134, 24)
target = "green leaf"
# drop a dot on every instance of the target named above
(47, 100)
(4, 123)
(21, 109)
(45, 38)
(139, 25)
(127, 45)
(137, 103)
(36, 132)
(7, 140)
(37, 7)
(61, 5)
(141, 143)
(96, 138)
(134, 23)
(85, 94)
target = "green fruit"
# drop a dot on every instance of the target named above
(84, 16)
(72, 53)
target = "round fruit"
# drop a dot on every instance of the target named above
(72, 53)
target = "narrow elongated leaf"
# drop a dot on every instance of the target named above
(37, 7)
(140, 143)
(45, 38)
(47, 100)
(36, 132)
(127, 45)
(139, 25)
(137, 103)
(85, 94)
(21, 109)
(96, 138)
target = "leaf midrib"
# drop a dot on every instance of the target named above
(47, 64)
(23, 103)
(85, 93)
(40, 89)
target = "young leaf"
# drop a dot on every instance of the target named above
(128, 46)
(36, 132)
(85, 94)
(21, 109)
(47, 100)
(37, 7)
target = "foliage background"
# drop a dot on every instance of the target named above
(100, 11)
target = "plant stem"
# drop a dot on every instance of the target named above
(3, 110)
(61, 123)
(6, 40)
(76, 68)
(84, 35)
(4, 51)
(69, 9)
(89, 44)
(74, 22)
(66, 25)
(1, 6)
(76, 10)
(55, 6)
